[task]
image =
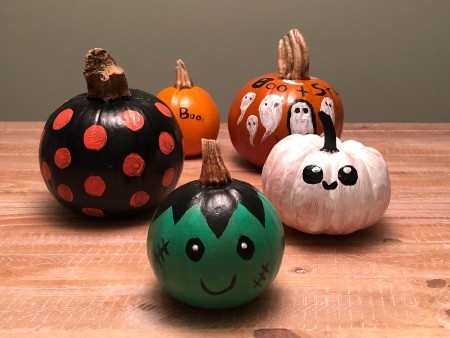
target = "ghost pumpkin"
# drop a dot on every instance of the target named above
(274, 105)
(113, 150)
(215, 242)
(321, 185)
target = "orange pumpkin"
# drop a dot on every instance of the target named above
(194, 108)
(273, 106)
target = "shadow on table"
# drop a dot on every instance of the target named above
(374, 235)
(159, 309)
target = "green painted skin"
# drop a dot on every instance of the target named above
(221, 278)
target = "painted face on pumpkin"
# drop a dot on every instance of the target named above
(313, 174)
(218, 248)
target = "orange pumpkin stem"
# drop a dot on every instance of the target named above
(104, 78)
(214, 173)
(183, 80)
(293, 56)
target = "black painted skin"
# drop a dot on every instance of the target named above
(108, 161)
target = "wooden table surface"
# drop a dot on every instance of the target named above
(62, 274)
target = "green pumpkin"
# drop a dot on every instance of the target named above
(215, 244)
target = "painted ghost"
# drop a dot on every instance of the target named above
(252, 127)
(327, 106)
(301, 118)
(270, 112)
(245, 103)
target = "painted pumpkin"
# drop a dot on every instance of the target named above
(274, 105)
(195, 110)
(111, 151)
(215, 242)
(321, 185)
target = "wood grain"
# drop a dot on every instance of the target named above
(62, 274)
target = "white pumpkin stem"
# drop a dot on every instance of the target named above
(329, 144)
(104, 78)
(214, 173)
(183, 79)
(293, 57)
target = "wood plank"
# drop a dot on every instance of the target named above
(63, 274)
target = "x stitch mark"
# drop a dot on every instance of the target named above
(159, 255)
(262, 277)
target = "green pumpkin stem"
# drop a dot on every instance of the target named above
(183, 80)
(104, 78)
(293, 57)
(329, 144)
(214, 173)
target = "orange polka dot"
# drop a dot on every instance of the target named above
(94, 186)
(163, 109)
(133, 165)
(166, 143)
(93, 212)
(95, 137)
(65, 192)
(168, 177)
(45, 170)
(62, 158)
(139, 199)
(132, 120)
(62, 119)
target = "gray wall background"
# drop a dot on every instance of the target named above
(389, 59)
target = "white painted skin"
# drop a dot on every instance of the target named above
(245, 103)
(327, 106)
(252, 127)
(300, 120)
(311, 208)
(270, 112)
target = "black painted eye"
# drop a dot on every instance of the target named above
(312, 174)
(348, 175)
(305, 110)
(245, 248)
(195, 249)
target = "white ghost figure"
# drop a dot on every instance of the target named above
(327, 106)
(252, 127)
(245, 103)
(300, 118)
(270, 112)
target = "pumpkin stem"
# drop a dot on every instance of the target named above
(329, 144)
(183, 80)
(214, 173)
(104, 78)
(293, 57)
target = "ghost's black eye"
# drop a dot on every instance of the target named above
(348, 175)
(312, 174)
(305, 110)
(297, 110)
(245, 248)
(195, 249)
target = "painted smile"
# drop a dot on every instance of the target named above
(330, 186)
(220, 292)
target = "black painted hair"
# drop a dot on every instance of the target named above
(216, 204)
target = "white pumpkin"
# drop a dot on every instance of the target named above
(321, 185)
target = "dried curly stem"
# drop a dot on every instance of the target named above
(214, 173)
(293, 57)
(104, 78)
(183, 80)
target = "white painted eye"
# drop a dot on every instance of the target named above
(316, 169)
(195, 248)
(347, 170)
(244, 245)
